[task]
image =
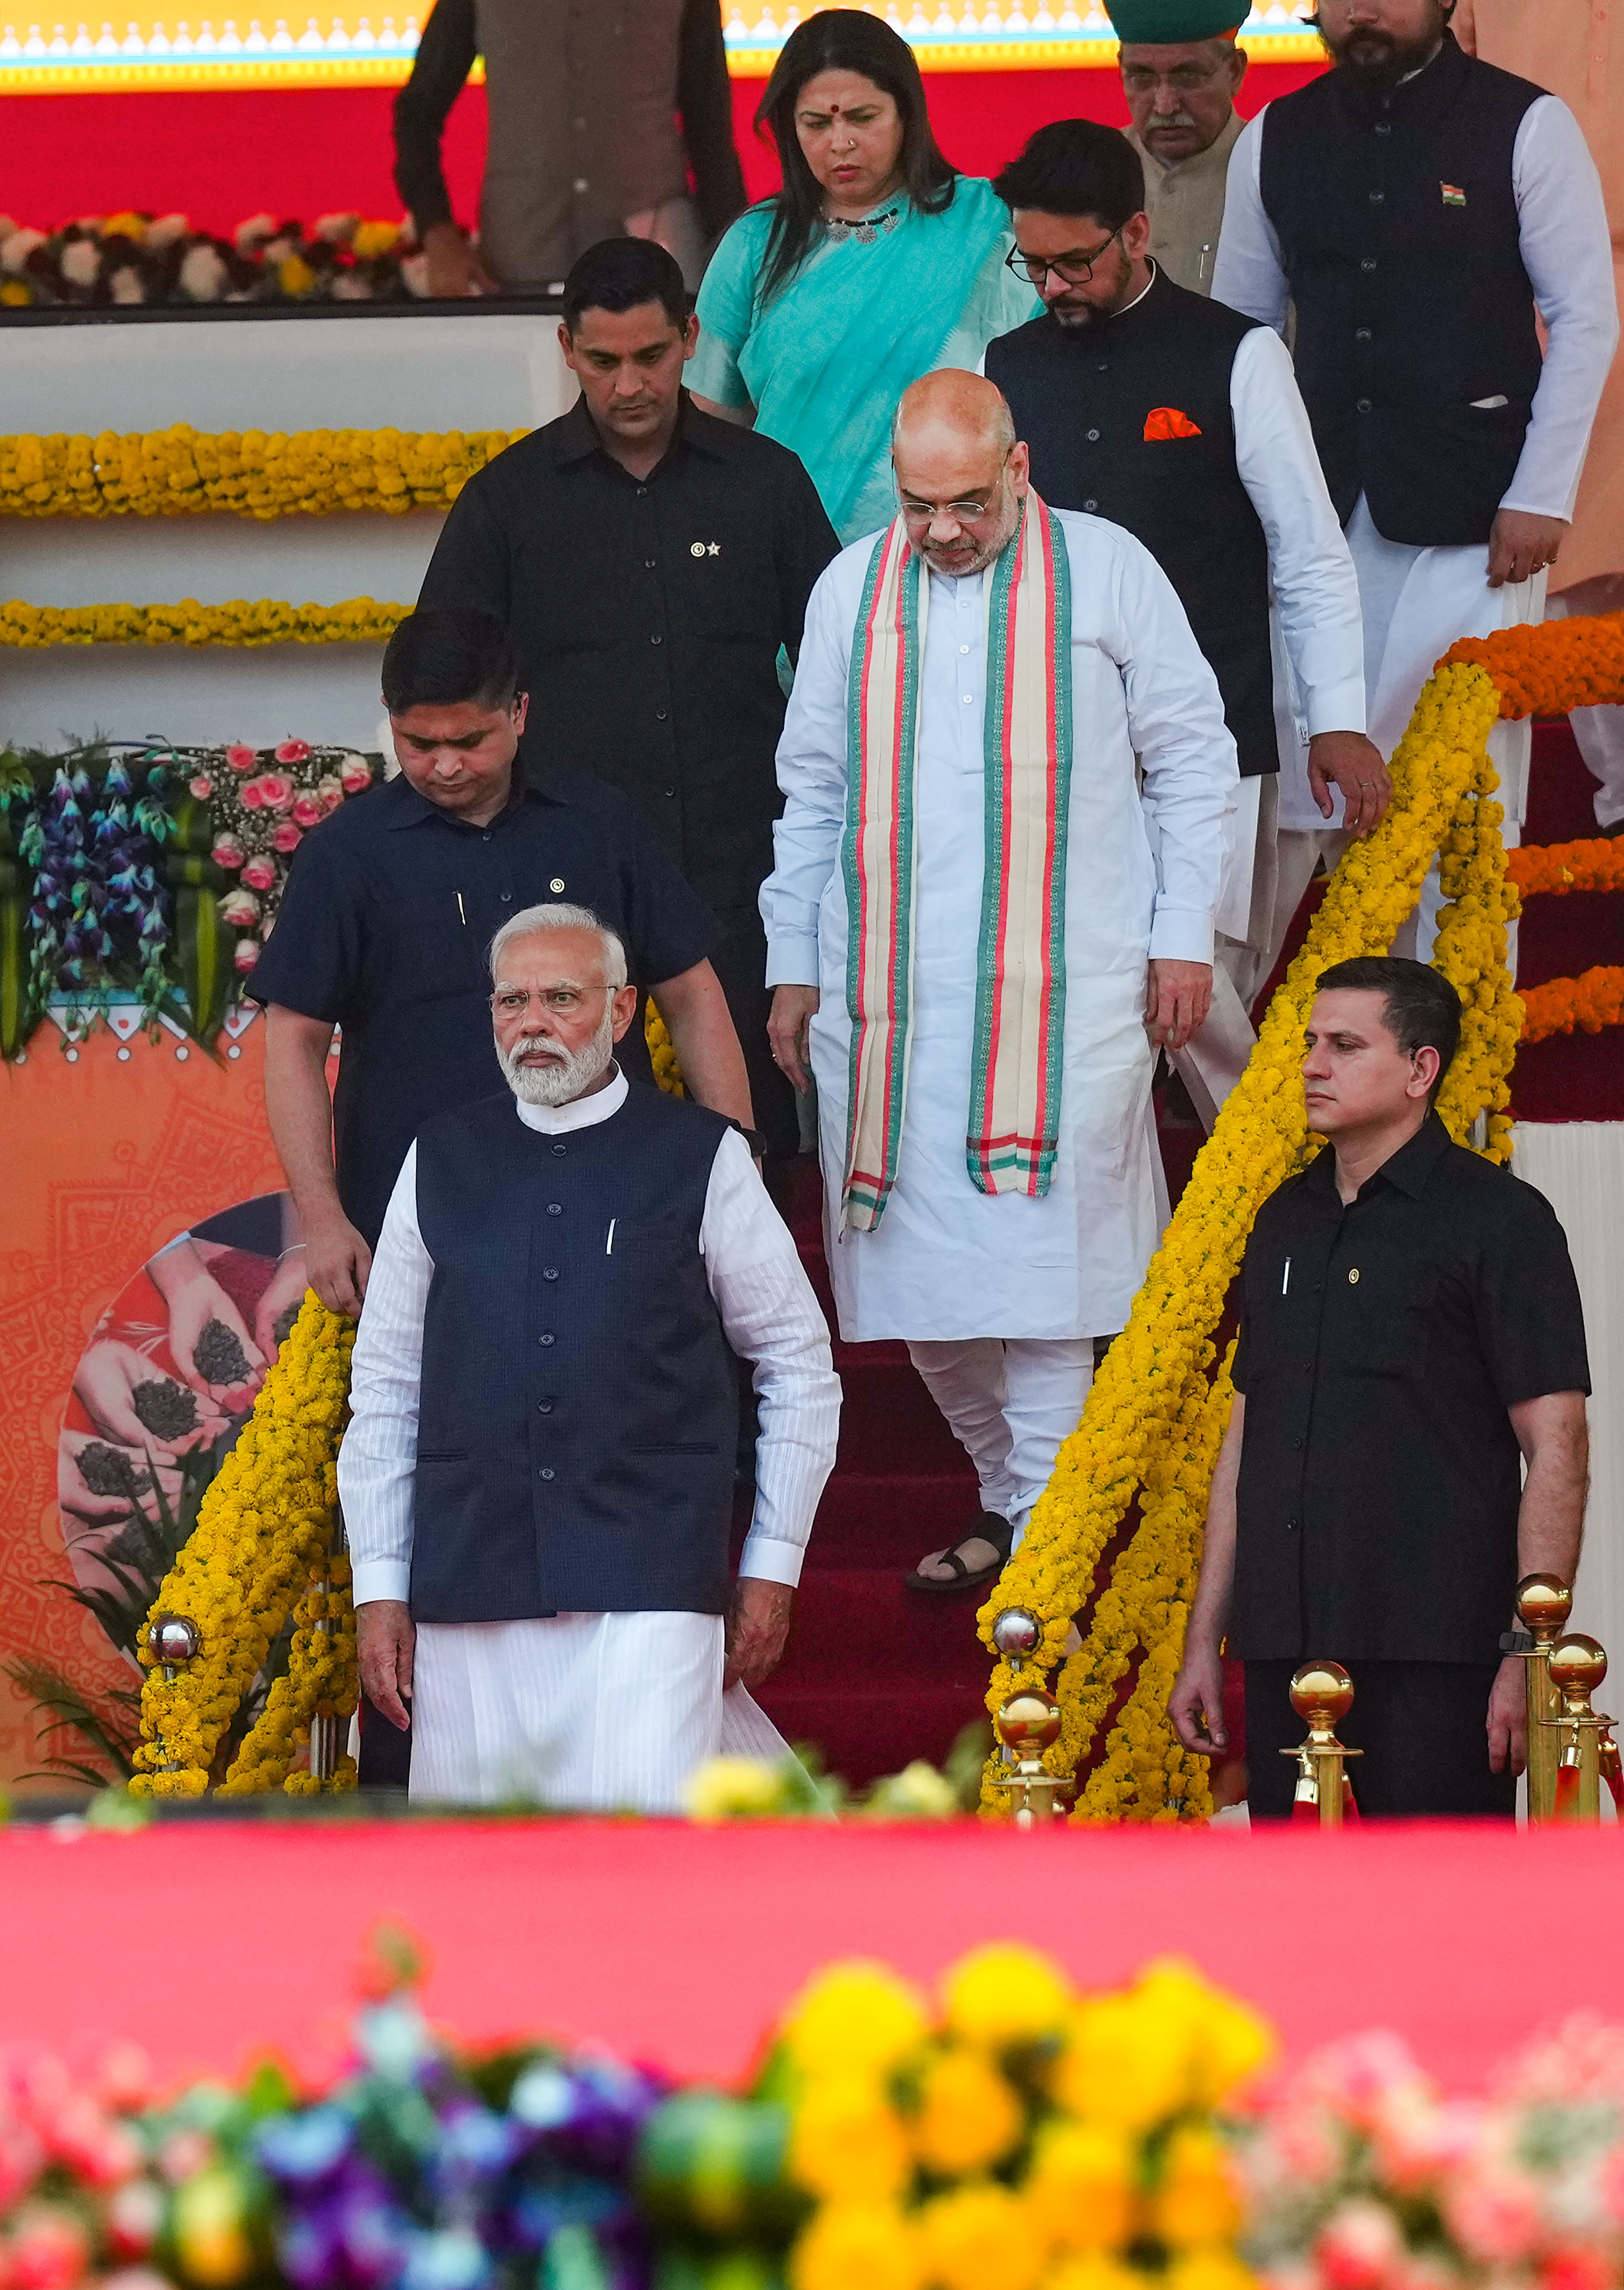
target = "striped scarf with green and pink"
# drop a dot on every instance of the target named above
(1014, 1109)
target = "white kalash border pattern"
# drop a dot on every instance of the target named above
(42, 53)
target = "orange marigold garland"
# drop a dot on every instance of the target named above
(1596, 864)
(1591, 1001)
(1551, 666)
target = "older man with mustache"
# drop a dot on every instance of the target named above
(1181, 71)
(538, 1477)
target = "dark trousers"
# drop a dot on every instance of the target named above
(385, 1762)
(741, 964)
(1421, 1728)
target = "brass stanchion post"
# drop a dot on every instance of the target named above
(1322, 1694)
(325, 1731)
(1578, 1665)
(1027, 1725)
(174, 1639)
(1543, 1603)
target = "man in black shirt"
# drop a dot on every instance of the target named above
(383, 929)
(1410, 1336)
(651, 565)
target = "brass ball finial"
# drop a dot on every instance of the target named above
(173, 1639)
(1017, 1634)
(1543, 1603)
(1579, 1664)
(1028, 1722)
(1321, 1693)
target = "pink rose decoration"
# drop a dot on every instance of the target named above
(276, 790)
(241, 909)
(294, 751)
(286, 837)
(309, 810)
(331, 793)
(247, 953)
(260, 874)
(253, 795)
(356, 773)
(202, 786)
(227, 851)
(241, 758)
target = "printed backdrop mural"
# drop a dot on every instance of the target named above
(109, 1156)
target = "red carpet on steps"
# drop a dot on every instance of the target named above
(877, 1674)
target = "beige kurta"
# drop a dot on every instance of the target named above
(1570, 47)
(1186, 203)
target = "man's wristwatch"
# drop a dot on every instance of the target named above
(752, 1138)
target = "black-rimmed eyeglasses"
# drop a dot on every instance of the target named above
(1076, 270)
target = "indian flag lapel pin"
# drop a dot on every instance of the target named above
(1454, 196)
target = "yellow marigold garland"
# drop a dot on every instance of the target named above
(267, 621)
(321, 1682)
(1469, 948)
(262, 1522)
(667, 1073)
(1147, 1379)
(183, 471)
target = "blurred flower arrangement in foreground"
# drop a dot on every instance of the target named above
(1014, 2136)
(102, 262)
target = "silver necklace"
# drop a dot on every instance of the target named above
(866, 231)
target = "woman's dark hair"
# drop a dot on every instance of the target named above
(622, 274)
(1077, 167)
(842, 39)
(447, 653)
(1422, 1010)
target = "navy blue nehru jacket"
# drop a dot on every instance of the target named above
(383, 930)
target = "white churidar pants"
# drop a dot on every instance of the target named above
(1009, 1402)
(1600, 734)
(599, 1713)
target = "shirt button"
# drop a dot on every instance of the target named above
(551, 1272)
(648, 563)
(967, 699)
(1361, 406)
(1093, 436)
(1090, 505)
(964, 647)
(554, 1208)
(642, 490)
(1296, 1443)
(1368, 262)
(1378, 198)
(581, 183)
(1103, 367)
(544, 1407)
(661, 714)
(546, 1475)
(1384, 127)
(657, 640)
(1353, 1276)
(1291, 1527)
(1362, 333)
(507, 898)
(561, 1148)
(544, 1339)
(486, 837)
(669, 792)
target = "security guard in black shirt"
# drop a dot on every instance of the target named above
(1410, 1336)
(651, 565)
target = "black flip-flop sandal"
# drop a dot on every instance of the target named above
(988, 1528)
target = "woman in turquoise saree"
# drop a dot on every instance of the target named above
(875, 264)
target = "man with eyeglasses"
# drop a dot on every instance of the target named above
(1006, 777)
(1171, 414)
(382, 931)
(538, 1476)
(1181, 69)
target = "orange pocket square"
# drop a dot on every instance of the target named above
(1164, 421)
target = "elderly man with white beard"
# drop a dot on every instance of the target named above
(537, 1476)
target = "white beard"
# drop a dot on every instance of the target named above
(558, 1085)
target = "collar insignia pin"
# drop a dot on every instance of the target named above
(696, 549)
(714, 549)
(557, 885)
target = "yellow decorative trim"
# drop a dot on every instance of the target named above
(1033, 51)
(267, 621)
(184, 472)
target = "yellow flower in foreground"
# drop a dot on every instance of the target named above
(975, 2238)
(1228, 2041)
(1197, 2201)
(856, 2247)
(847, 2144)
(1208, 2269)
(1080, 2189)
(1006, 1994)
(1122, 2065)
(853, 2018)
(1093, 2269)
(968, 2116)
(731, 1789)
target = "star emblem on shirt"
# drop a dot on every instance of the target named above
(705, 548)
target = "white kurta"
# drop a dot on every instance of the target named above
(1418, 601)
(1141, 879)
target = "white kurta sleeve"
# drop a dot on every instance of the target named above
(771, 1316)
(1187, 756)
(378, 1456)
(1315, 583)
(1567, 252)
(1247, 271)
(812, 772)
